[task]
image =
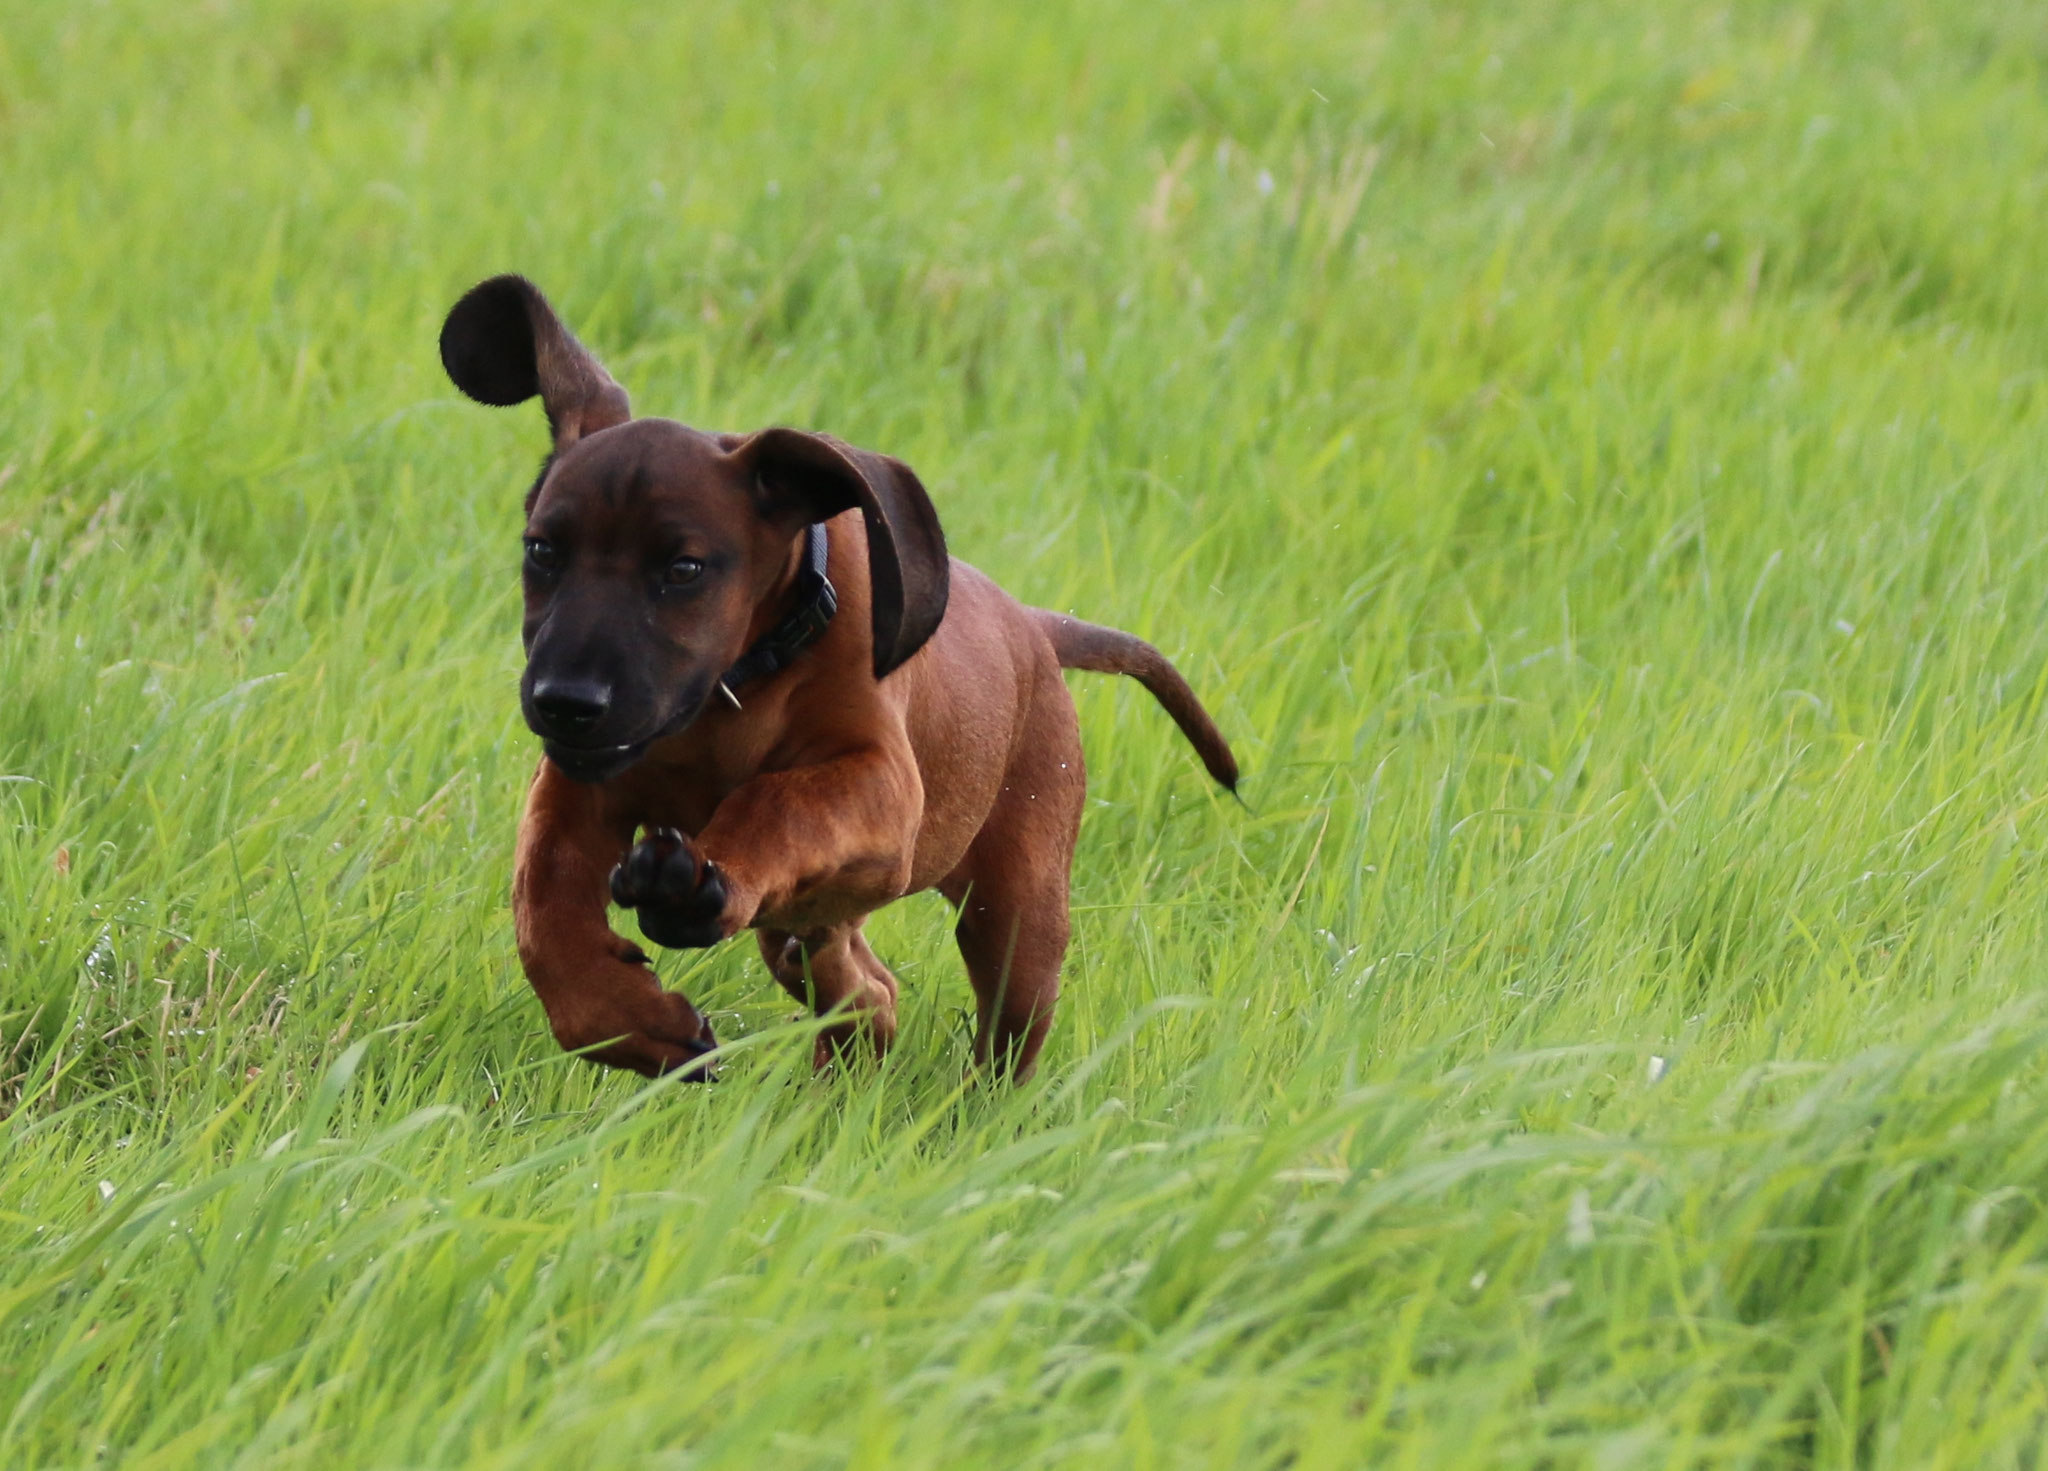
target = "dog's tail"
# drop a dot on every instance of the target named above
(1102, 650)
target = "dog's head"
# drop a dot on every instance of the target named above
(654, 552)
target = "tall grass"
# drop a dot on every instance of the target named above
(1589, 456)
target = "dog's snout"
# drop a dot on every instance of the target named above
(571, 705)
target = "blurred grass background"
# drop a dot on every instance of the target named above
(1589, 457)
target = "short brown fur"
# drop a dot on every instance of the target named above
(925, 741)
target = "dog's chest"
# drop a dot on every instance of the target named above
(682, 795)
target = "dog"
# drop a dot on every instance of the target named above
(754, 654)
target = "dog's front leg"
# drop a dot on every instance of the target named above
(798, 849)
(599, 991)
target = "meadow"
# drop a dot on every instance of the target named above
(1590, 457)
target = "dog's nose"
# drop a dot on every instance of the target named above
(570, 705)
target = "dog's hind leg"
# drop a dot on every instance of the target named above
(1011, 888)
(831, 968)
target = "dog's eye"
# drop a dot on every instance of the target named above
(682, 570)
(541, 555)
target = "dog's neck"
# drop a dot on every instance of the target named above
(809, 601)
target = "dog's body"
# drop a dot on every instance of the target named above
(923, 739)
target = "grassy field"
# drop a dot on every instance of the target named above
(1591, 458)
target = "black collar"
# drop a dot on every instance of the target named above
(816, 602)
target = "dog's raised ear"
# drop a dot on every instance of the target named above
(503, 343)
(808, 477)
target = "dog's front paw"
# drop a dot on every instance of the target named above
(677, 892)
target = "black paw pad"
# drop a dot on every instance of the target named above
(677, 893)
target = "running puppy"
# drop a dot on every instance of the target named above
(756, 648)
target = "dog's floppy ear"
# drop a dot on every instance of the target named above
(503, 343)
(809, 477)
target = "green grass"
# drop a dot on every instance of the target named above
(1590, 457)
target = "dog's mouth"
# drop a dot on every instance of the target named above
(595, 765)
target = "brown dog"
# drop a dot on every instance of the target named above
(757, 648)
